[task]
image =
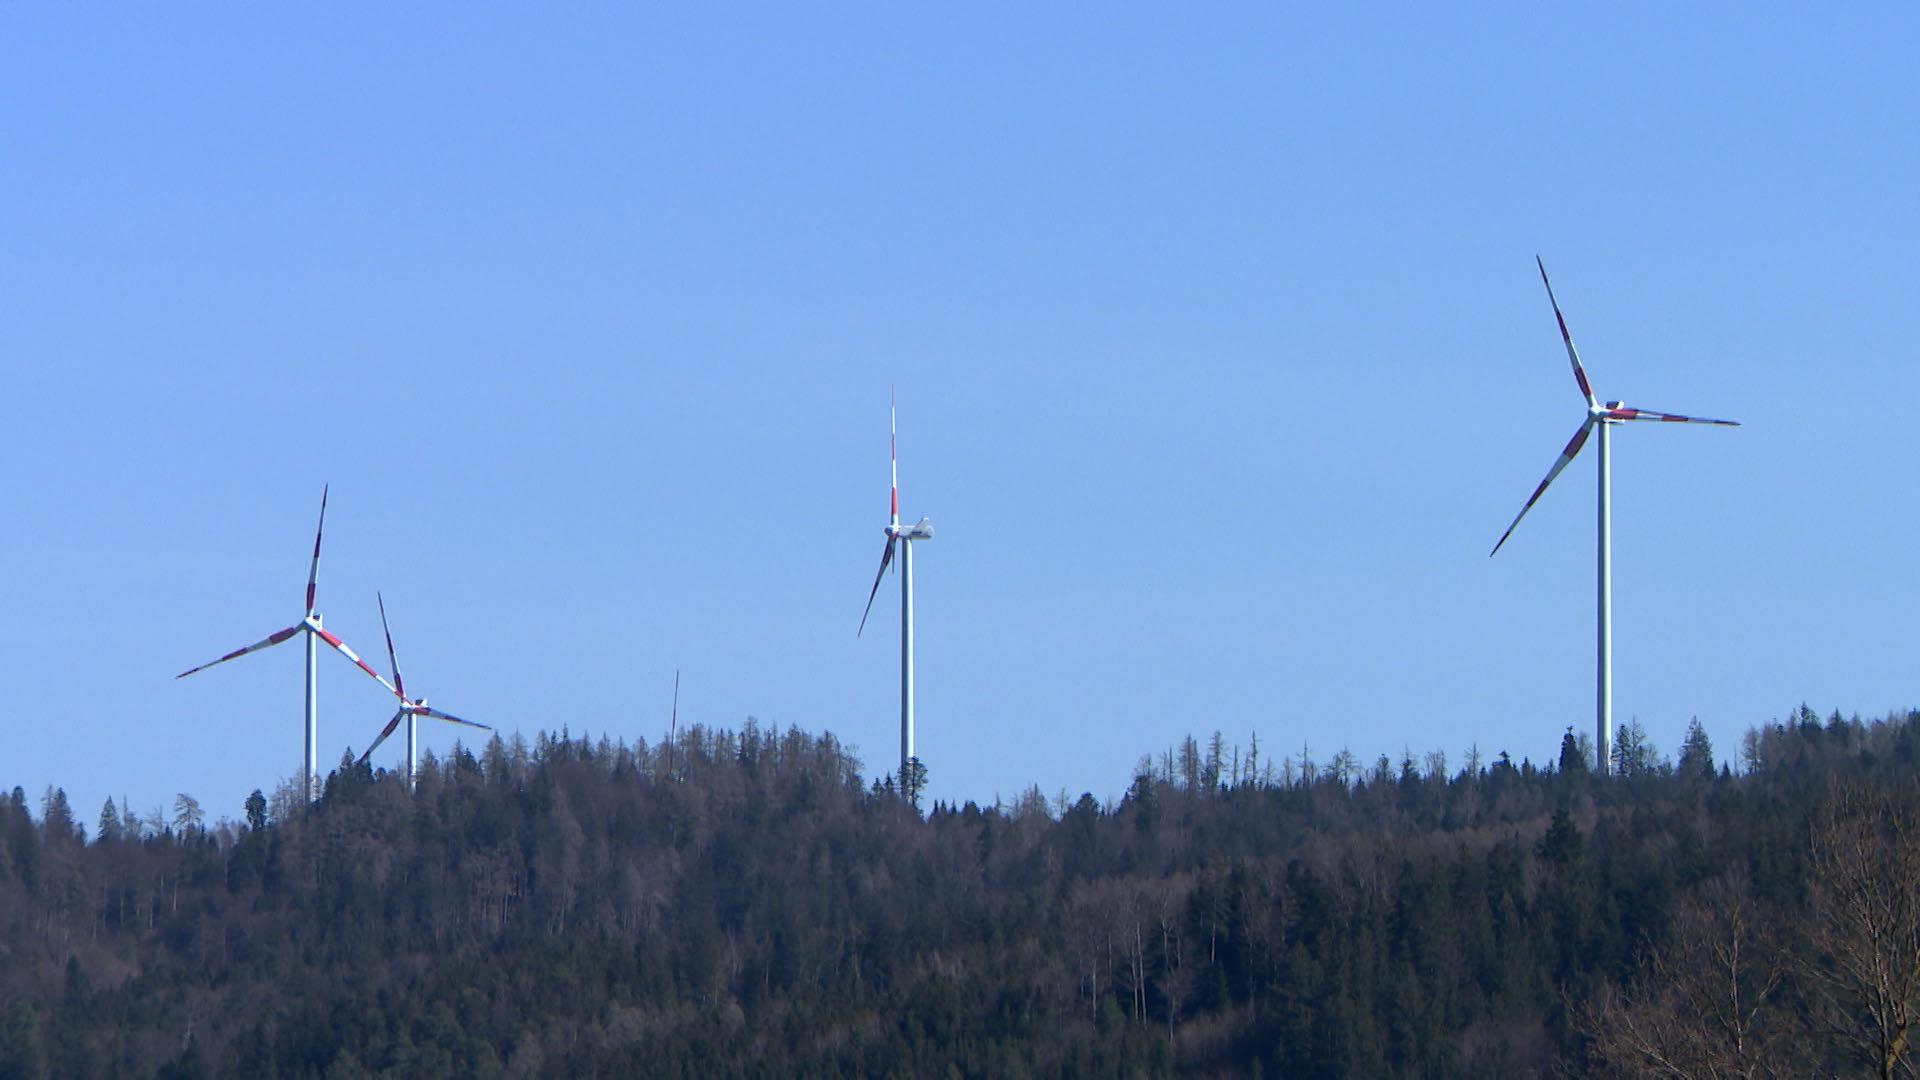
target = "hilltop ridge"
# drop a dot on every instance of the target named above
(748, 903)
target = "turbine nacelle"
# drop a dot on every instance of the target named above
(919, 530)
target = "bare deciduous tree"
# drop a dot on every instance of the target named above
(1860, 961)
(1705, 1007)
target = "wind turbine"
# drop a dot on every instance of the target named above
(1602, 417)
(310, 625)
(903, 538)
(410, 710)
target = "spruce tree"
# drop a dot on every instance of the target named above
(1696, 754)
(1573, 760)
(109, 822)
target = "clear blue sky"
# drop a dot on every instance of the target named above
(1220, 353)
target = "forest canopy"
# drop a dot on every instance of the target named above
(747, 902)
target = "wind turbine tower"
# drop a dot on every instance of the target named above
(903, 538)
(1603, 417)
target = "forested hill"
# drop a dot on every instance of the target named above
(745, 903)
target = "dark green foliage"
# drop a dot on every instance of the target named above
(1696, 754)
(1572, 759)
(755, 908)
(1633, 754)
(913, 780)
(109, 827)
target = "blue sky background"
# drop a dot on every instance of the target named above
(1220, 353)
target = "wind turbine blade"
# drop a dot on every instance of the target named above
(885, 558)
(1670, 418)
(1579, 373)
(893, 459)
(1573, 447)
(673, 720)
(450, 718)
(345, 650)
(313, 568)
(275, 638)
(393, 661)
(384, 732)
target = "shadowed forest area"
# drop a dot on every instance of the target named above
(746, 903)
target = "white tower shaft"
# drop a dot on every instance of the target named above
(906, 659)
(309, 776)
(1603, 704)
(413, 747)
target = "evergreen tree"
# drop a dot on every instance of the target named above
(1633, 752)
(1215, 762)
(1573, 761)
(913, 780)
(1189, 763)
(256, 810)
(56, 817)
(1696, 754)
(109, 828)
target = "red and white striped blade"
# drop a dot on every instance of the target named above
(393, 662)
(313, 568)
(275, 638)
(384, 732)
(1623, 413)
(1573, 448)
(885, 558)
(347, 651)
(1579, 373)
(450, 718)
